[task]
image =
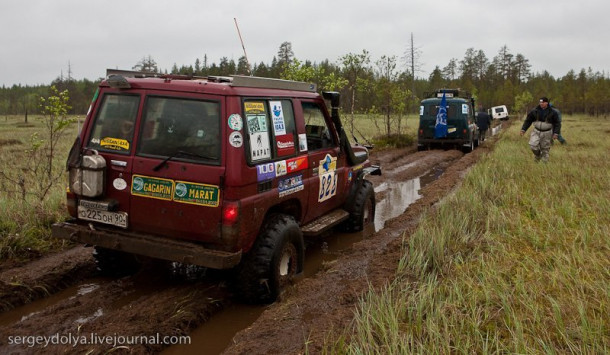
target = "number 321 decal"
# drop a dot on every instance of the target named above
(328, 186)
(328, 178)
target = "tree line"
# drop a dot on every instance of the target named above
(389, 86)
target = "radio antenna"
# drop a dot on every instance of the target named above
(242, 45)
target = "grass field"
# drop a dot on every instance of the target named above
(25, 219)
(516, 261)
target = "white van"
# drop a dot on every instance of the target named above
(499, 112)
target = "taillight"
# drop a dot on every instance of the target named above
(421, 132)
(230, 213)
(71, 203)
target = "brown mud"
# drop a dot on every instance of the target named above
(153, 302)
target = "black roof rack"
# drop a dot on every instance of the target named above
(233, 80)
(448, 93)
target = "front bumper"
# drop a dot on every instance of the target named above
(148, 245)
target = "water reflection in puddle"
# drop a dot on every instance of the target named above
(216, 334)
(399, 195)
(26, 311)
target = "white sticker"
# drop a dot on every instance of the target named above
(235, 122)
(259, 146)
(465, 109)
(279, 126)
(236, 139)
(119, 184)
(421, 110)
(302, 142)
(280, 168)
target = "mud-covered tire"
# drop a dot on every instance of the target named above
(362, 210)
(468, 148)
(272, 263)
(115, 263)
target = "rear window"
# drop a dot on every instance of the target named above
(113, 126)
(183, 129)
(432, 110)
(499, 109)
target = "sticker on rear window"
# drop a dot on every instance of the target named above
(114, 143)
(302, 142)
(279, 126)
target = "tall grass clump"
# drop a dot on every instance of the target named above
(32, 178)
(516, 261)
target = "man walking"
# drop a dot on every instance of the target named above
(546, 128)
(483, 122)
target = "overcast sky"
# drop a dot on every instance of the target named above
(41, 39)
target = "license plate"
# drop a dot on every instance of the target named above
(451, 130)
(118, 219)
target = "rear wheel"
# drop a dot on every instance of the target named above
(115, 263)
(467, 148)
(273, 262)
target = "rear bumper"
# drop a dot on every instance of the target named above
(148, 245)
(441, 141)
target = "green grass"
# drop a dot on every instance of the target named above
(370, 129)
(516, 261)
(25, 223)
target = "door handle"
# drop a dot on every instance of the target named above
(119, 163)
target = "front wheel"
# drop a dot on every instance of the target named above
(273, 262)
(362, 210)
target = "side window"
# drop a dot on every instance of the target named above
(316, 129)
(271, 129)
(113, 127)
(182, 128)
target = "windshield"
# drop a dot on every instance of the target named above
(181, 128)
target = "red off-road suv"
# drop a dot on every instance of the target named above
(221, 172)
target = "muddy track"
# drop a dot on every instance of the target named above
(155, 301)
